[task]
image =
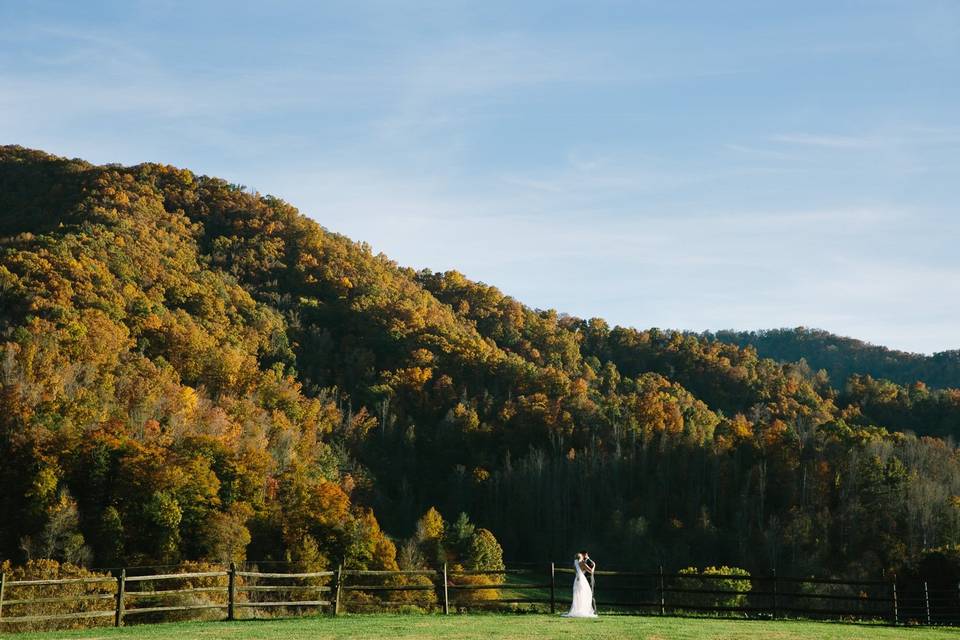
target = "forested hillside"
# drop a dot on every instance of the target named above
(843, 357)
(193, 371)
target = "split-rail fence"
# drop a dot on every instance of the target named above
(128, 596)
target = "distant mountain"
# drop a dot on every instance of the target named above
(843, 357)
(192, 371)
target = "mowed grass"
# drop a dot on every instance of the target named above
(496, 627)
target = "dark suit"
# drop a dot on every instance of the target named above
(590, 563)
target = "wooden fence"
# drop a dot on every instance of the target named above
(155, 597)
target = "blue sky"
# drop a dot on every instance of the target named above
(691, 165)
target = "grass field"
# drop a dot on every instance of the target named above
(503, 627)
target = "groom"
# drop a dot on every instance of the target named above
(592, 565)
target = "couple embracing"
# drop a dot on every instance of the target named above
(583, 605)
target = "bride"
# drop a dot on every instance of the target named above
(582, 605)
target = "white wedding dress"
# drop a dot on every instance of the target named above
(582, 605)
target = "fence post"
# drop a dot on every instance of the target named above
(121, 596)
(3, 583)
(896, 613)
(926, 600)
(231, 591)
(334, 579)
(775, 611)
(553, 585)
(660, 588)
(336, 595)
(446, 596)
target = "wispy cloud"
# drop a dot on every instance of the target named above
(444, 84)
(912, 135)
(755, 151)
(829, 141)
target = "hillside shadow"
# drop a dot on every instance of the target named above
(37, 191)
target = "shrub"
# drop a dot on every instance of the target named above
(734, 580)
(421, 599)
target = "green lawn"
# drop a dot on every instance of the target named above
(494, 627)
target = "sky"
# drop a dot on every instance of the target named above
(688, 165)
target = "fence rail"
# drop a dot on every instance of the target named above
(628, 592)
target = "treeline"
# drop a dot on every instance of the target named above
(842, 357)
(183, 360)
(873, 385)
